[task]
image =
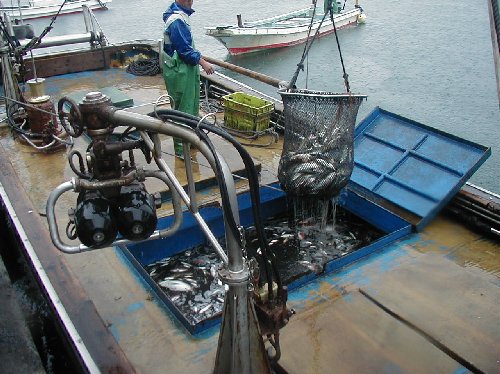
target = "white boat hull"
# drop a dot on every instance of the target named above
(51, 8)
(239, 40)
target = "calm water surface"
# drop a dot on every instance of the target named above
(430, 61)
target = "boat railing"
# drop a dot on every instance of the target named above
(93, 34)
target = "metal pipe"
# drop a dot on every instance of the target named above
(494, 12)
(240, 348)
(67, 186)
(162, 165)
(53, 41)
(147, 123)
(211, 238)
(176, 203)
(8, 81)
(190, 178)
(97, 185)
(249, 73)
(235, 263)
(87, 19)
(8, 24)
(52, 220)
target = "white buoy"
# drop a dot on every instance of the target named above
(362, 18)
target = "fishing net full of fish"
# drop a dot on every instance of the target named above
(318, 157)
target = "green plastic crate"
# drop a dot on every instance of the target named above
(246, 112)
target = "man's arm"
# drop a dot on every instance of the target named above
(206, 66)
(182, 40)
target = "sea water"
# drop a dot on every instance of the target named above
(430, 61)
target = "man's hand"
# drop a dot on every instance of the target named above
(206, 66)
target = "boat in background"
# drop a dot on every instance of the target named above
(284, 30)
(47, 8)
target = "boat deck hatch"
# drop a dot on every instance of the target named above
(409, 167)
(404, 174)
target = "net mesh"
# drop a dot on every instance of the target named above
(317, 158)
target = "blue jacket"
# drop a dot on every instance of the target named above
(180, 36)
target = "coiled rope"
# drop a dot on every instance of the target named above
(147, 66)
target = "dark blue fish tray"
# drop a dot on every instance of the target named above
(404, 173)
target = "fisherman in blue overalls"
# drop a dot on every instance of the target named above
(180, 62)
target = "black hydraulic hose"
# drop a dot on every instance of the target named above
(254, 189)
(264, 246)
(15, 127)
(193, 122)
(253, 181)
(81, 173)
(174, 116)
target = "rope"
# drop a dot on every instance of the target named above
(102, 4)
(149, 66)
(307, 47)
(346, 77)
(101, 31)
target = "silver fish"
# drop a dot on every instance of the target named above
(175, 285)
(205, 308)
(213, 272)
(179, 270)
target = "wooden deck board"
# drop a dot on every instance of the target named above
(458, 308)
(150, 336)
(106, 354)
(352, 335)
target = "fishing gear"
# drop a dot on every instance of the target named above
(146, 66)
(317, 158)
